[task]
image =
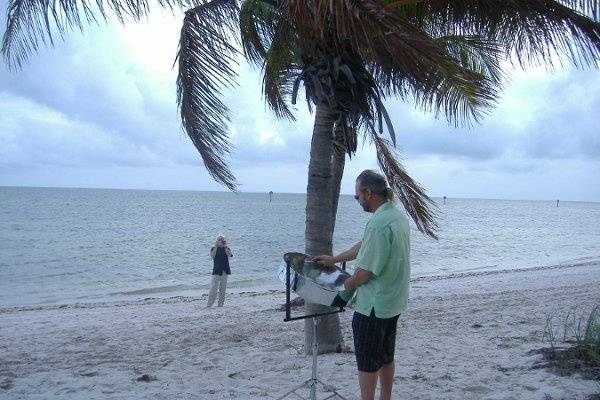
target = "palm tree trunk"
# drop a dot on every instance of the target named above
(338, 162)
(324, 178)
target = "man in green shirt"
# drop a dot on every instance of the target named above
(380, 282)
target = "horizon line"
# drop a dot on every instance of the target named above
(441, 197)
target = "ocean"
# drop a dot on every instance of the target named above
(64, 246)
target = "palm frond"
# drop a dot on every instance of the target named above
(256, 29)
(206, 54)
(392, 4)
(482, 58)
(417, 204)
(280, 70)
(438, 79)
(402, 57)
(278, 86)
(589, 8)
(462, 101)
(476, 53)
(32, 23)
(368, 106)
(532, 32)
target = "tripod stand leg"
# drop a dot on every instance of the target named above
(315, 350)
(294, 390)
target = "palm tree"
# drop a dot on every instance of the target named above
(448, 57)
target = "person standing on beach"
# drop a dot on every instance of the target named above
(380, 282)
(220, 254)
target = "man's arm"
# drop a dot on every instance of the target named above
(228, 252)
(359, 277)
(347, 255)
(213, 251)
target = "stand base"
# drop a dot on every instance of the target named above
(311, 384)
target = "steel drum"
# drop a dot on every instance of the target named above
(315, 283)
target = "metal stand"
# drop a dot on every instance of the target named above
(311, 383)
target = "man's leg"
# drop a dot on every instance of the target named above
(362, 328)
(222, 288)
(386, 379)
(368, 383)
(386, 372)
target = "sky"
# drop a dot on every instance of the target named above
(99, 110)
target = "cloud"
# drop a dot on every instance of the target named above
(39, 135)
(540, 180)
(567, 125)
(257, 134)
(540, 116)
(96, 83)
(99, 107)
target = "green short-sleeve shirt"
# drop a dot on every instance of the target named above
(385, 251)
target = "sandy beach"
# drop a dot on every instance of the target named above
(465, 336)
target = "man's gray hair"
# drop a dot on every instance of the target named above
(376, 183)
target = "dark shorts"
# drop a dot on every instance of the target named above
(374, 341)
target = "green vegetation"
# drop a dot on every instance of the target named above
(574, 341)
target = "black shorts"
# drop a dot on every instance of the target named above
(374, 341)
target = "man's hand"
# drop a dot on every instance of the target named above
(324, 260)
(348, 285)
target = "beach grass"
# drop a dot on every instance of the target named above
(573, 343)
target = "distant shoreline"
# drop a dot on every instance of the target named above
(268, 290)
(484, 272)
(438, 198)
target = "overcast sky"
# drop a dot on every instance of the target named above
(98, 110)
